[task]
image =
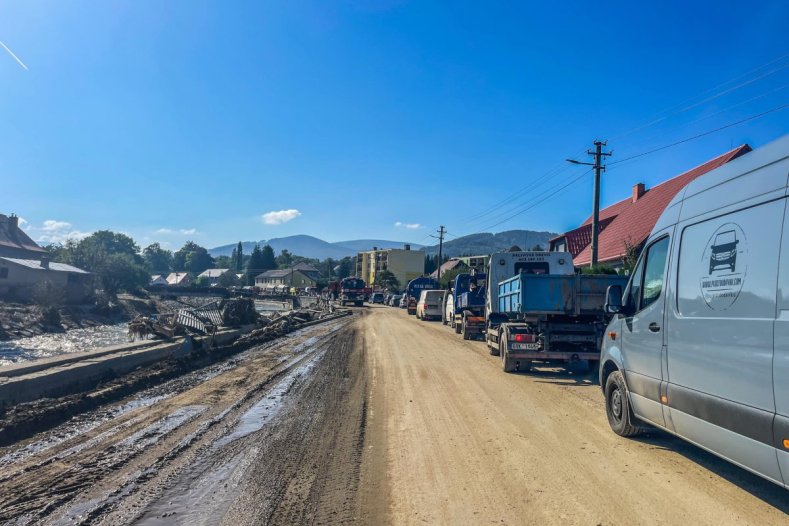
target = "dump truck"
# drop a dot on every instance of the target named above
(539, 309)
(464, 305)
(414, 288)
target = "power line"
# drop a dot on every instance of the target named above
(752, 117)
(678, 108)
(541, 200)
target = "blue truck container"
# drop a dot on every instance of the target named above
(573, 295)
(415, 288)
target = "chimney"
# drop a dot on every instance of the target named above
(407, 246)
(45, 262)
(13, 219)
(638, 191)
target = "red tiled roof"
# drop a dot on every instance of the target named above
(14, 237)
(633, 221)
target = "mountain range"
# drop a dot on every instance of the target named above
(487, 243)
(473, 244)
(313, 247)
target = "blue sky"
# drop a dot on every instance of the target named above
(191, 120)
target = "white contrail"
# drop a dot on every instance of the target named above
(12, 54)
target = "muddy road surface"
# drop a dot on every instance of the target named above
(373, 419)
(271, 436)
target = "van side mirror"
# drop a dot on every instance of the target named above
(613, 299)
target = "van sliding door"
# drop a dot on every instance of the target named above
(720, 339)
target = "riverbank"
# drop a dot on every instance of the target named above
(20, 320)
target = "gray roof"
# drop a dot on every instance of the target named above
(274, 274)
(36, 264)
(212, 272)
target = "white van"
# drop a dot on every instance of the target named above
(699, 345)
(430, 305)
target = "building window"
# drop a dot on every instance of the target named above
(4, 273)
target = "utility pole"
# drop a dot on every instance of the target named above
(441, 233)
(598, 154)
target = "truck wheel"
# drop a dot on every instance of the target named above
(443, 320)
(458, 328)
(507, 363)
(358, 303)
(617, 407)
(466, 335)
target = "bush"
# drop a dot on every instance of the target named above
(598, 269)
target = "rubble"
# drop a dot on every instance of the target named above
(278, 324)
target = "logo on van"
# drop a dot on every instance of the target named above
(725, 264)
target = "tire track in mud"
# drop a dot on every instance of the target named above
(131, 457)
(303, 468)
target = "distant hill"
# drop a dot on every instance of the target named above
(312, 247)
(486, 243)
(359, 245)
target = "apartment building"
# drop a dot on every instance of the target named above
(404, 263)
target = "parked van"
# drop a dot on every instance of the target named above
(699, 345)
(430, 304)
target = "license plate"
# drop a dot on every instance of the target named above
(526, 346)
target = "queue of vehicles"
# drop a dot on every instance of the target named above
(695, 341)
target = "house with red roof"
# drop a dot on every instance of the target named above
(630, 221)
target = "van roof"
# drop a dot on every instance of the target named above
(771, 153)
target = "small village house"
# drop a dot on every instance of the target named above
(213, 276)
(284, 278)
(179, 279)
(24, 265)
(157, 280)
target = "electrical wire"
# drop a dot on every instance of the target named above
(680, 108)
(709, 132)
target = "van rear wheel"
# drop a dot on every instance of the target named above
(617, 407)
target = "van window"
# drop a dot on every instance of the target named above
(532, 267)
(654, 272)
(634, 292)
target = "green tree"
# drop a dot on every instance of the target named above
(158, 259)
(192, 258)
(268, 261)
(225, 262)
(113, 258)
(228, 279)
(121, 271)
(239, 258)
(255, 265)
(347, 267)
(388, 281)
(449, 276)
(285, 259)
(430, 264)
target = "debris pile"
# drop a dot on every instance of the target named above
(278, 324)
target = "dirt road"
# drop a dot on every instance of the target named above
(373, 419)
(451, 439)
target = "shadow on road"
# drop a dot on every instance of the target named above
(760, 488)
(575, 375)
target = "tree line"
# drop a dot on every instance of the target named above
(119, 264)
